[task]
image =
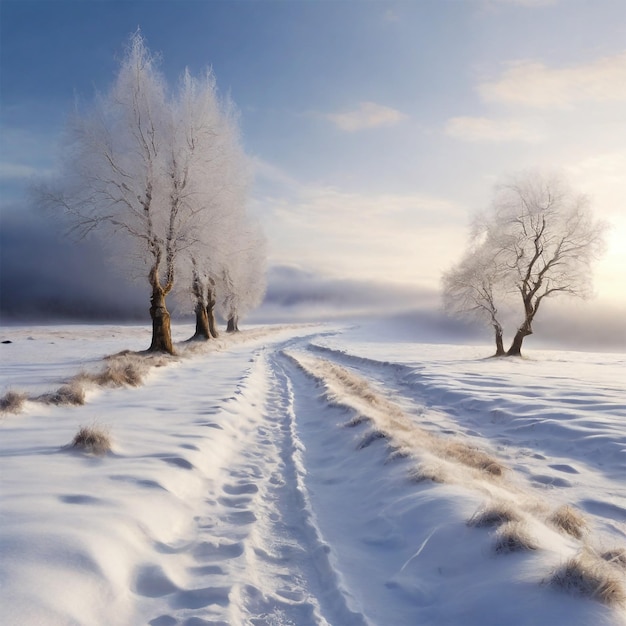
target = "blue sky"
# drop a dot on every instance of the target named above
(376, 127)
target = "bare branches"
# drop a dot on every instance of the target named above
(538, 240)
(166, 172)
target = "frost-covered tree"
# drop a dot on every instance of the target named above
(202, 170)
(151, 166)
(470, 289)
(242, 283)
(113, 175)
(221, 240)
(538, 240)
(204, 301)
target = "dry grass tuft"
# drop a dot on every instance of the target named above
(12, 402)
(590, 577)
(398, 453)
(122, 370)
(494, 515)
(72, 394)
(569, 520)
(514, 537)
(92, 440)
(427, 471)
(370, 438)
(472, 457)
(357, 420)
(616, 556)
(353, 384)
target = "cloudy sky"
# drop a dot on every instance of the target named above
(376, 127)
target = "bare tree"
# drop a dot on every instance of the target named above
(198, 171)
(540, 239)
(149, 166)
(242, 283)
(469, 290)
(113, 175)
(221, 238)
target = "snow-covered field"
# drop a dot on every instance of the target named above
(309, 475)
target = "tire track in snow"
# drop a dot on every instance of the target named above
(298, 512)
(257, 558)
(284, 556)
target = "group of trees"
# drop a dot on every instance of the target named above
(164, 170)
(537, 240)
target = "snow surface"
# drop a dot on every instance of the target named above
(282, 476)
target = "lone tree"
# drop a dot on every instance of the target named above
(537, 240)
(147, 165)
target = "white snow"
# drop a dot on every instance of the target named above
(282, 476)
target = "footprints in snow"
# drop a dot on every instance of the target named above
(217, 581)
(214, 551)
(239, 489)
(209, 578)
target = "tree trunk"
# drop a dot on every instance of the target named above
(161, 327)
(516, 345)
(202, 322)
(525, 329)
(232, 326)
(210, 313)
(499, 341)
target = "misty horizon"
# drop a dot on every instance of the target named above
(61, 289)
(374, 132)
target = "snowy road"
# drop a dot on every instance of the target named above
(304, 476)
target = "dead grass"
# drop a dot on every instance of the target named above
(370, 438)
(569, 521)
(12, 402)
(354, 385)
(117, 375)
(398, 453)
(428, 471)
(494, 515)
(514, 537)
(72, 394)
(394, 425)
(472, 457)
(616, 556)
(357, 420)
(92, 440)
(591, 577)
(126, 369)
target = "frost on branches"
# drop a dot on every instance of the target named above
(165, 171)
(537, 240)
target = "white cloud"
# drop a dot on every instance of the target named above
(366, 115)
(485, 129)
(534, 84)
(406, 238)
